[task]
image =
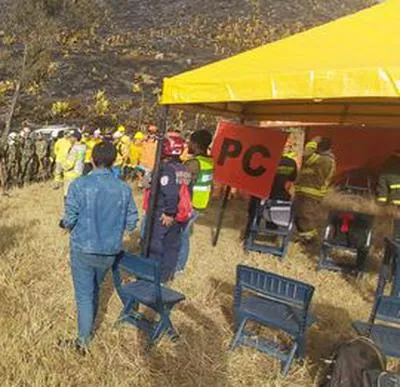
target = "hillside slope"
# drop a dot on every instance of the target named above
(145, 40)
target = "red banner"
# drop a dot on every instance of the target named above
(247, 157)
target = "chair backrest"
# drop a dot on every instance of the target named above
(355, 227)
(144, 269)
(278, 212)
(387, 309)
(358, 218)
(275, 287)
(389, 269)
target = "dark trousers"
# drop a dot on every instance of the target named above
(307, 214)
(164, 247)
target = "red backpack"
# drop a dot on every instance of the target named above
(185, 207)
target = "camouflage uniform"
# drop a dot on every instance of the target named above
(13, 159)
(3, 152)
(28, 160)
(42, 153)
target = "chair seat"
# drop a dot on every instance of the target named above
(386, 337)
(339, 246)
(145, 293)
(280, 231)
(271, 313)
(387, 311)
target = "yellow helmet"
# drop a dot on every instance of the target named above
(121, 128)
(139, 136)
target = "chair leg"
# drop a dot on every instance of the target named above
(236, 339)
(286, 365)
(129, 304)
(322, 259)
(171, 331)
(160, 328)
(300, 346)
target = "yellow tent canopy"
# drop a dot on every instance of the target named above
(346, 71)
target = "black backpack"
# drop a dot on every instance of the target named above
(347, 366)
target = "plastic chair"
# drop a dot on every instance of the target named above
(273, 301)
(387, 337)
(350, 232)
(273, 219)
(385, 308)
(357, 182)
(389, 270)
(145, 290)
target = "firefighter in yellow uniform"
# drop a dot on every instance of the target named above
(90, 142)
(135, 156)
(122, 143)
(135, 149)
(389, 180)
(73, 166)
(61, 149)
(312, 185)
(388, 189)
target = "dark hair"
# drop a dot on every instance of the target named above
(325, 144)
(104, 155)
(60, 134)
(202, 138)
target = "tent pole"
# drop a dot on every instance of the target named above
(162, 130)
(221, 213)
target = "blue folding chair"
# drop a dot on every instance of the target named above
(387, 337)
(349, 232)
(271, 228)
(276, 302)
(386, 308)
(146, 290)
(389, 271)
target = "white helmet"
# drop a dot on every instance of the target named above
(12, 135)
(97, 133)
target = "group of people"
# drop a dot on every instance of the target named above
(25, 157)
(73, 153)
(28, 156)
(100, 207)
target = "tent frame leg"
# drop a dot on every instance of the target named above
(155, 186)
(220, 215)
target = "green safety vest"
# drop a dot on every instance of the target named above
(203, 185)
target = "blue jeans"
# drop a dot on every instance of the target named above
(88, 273)
(185, 242)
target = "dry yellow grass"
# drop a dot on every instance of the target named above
(37, 308)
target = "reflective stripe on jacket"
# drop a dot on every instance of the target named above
(316, 174)
(203, 185)
(388, 189)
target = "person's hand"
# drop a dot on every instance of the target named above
(166, 220)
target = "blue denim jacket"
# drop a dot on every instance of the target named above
(98, 210)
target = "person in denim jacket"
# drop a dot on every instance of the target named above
(99, 209)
